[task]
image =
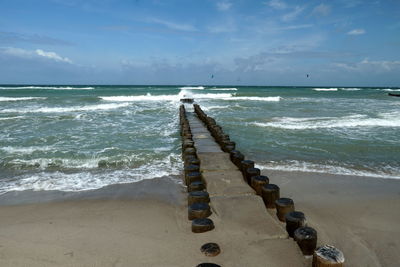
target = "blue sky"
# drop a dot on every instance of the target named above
(243, 42)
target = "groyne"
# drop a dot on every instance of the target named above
(228, 195)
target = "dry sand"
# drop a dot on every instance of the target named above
(358, 215)
(145, 224)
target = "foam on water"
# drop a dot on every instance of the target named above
(325, 89)
(4, 99)
(150, 97)
(255, 98)
(300, 166)
(92, 179)
(25, 150)
(223, 89)
(192, 88)
(352, 121)
(47, 87)
(66, 109)
(391, 90)
(12, 118)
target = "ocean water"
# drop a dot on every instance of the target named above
(73, 138)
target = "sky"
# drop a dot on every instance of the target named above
(200, 42)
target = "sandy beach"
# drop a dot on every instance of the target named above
(358, 215)
(145, 224)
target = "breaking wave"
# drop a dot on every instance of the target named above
(192, 88)
(384, 120)
(325, 89)
(4, 99)
(300, 166)
(67, 109)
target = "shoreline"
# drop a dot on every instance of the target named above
(358, 215)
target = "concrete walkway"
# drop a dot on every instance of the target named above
(255, 237)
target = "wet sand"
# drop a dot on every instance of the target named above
(141, 224)
(359, 215)
(145, 224)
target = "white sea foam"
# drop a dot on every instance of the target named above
(352, 121)
(300, 166)
(255, 98)
(223, 89)
(150, 97)
(67, 109)
(192, 88)
(47, 87)
(4, 99)
(391, 90)
(92, 179)
(12, 118)
(25, 150)
(325, 89)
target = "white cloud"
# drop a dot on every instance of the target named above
(296, 27)
(321, 10)
(223, 6)
(356, 32)
(173, 25)
(38, 53)
(277, 4)
(367, 65)
(292, 15)
(52, 55)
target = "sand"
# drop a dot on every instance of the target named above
(358, 215)
(145, 224)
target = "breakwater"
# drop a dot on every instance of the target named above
(221, 183)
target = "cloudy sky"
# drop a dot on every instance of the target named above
(242, 42)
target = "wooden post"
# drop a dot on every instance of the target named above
(257, 182)
(328, 256)
(199, 210)
(197, 197)
(283, 205)
(202, 225)
(306, 238)
(250, 172)
(270, 193)
(294, 220)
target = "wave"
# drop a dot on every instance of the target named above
(223, 89)
(255, 98)
(390, 90)
(300, 166)
(47, 87)
(12, 118)
(92, 179)
(150, 97)
(352, 121)
(192, 88)
(25, 150)
(325, 89)
(4, 99)
(68, 109)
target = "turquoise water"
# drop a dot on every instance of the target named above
(85, 137)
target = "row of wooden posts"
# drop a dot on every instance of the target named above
(305, 236)
(198, 198)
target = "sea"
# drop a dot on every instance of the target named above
(74, 138)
